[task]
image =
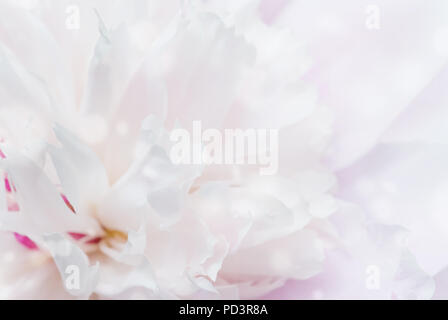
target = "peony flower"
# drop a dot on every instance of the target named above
(92, 205)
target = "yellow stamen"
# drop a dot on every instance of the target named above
(115, 234)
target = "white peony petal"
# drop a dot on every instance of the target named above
(38, 199)
(396, 183)
(299, 256)
(79, 277)
(115, 61)
(215, 56)
(83, 177)
(116, 278)
(36, 48)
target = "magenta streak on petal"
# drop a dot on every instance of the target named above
(25, 241)
(74, 235)
(94, 240)
(13, 206)
(77, 236)
(68, 204)
(7, 185)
